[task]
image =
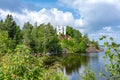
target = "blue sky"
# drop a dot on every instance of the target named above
(95, 17)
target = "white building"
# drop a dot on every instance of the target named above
(61, 30)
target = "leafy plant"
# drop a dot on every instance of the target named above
(112, 53)
(21, 65)
(88, 74)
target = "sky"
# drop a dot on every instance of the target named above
(94, 17)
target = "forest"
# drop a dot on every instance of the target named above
(23, 51)
(43, 38)
(19, 47)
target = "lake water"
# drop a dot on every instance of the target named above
(74, 65)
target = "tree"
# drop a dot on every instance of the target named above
(83, 46)
(69, 31)
(50, 39)
(27, 38)
(95, 44)
(86, 39)
(77, 35)
(14, 32)
(4, 42)
(11, 26)
(53, 45)
(1, 24)
(42, 38)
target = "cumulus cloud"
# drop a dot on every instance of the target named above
(101, 17)
(96, 13)
(106, 31)
(54, 16)
(97, 17)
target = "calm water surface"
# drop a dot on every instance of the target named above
(74, 65)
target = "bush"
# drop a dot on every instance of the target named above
(88, 75)
(112, 54)
(21, 65)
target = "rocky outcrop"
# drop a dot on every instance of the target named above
(94, 50)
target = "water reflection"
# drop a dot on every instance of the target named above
(73, 62)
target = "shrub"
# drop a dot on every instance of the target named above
(112, 54)
(21, 65)
(88, 74)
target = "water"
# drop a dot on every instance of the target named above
(74, 65)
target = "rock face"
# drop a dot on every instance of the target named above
(64, 51)
(94, 50)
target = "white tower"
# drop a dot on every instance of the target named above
(64, 30)
(61, 30)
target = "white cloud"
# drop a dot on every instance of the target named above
(107, 29)
(96, 13)
(101, 17)
(54, 16)
(79, 22)
(82, 3)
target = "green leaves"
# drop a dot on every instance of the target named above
(13, 30)
(69, 31)
(21, 65)
(108, 51)
(83, 46)
(41, 39)
(88, 75)
(101, 74)
(4, 42)
(112, 53)
(106, 44)
(113, 44)
(103, 37)
(111, 38)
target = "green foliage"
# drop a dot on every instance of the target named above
(14, 32)
(77, 43)
(83, 46)
(17, 45)
(95, 43)
(51, 74)
(1, 24)
(77, 35)
(88, 74)
(4, 42)
(41, 38)
(69, 31)
(86, 39)
(21, 65)
(27, 36)
(12, 28)
(112, 53)
(71, 45)
(74, 33)
(27, 29)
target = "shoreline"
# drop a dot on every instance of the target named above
(94, 50)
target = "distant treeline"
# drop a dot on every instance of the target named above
(42, 38)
